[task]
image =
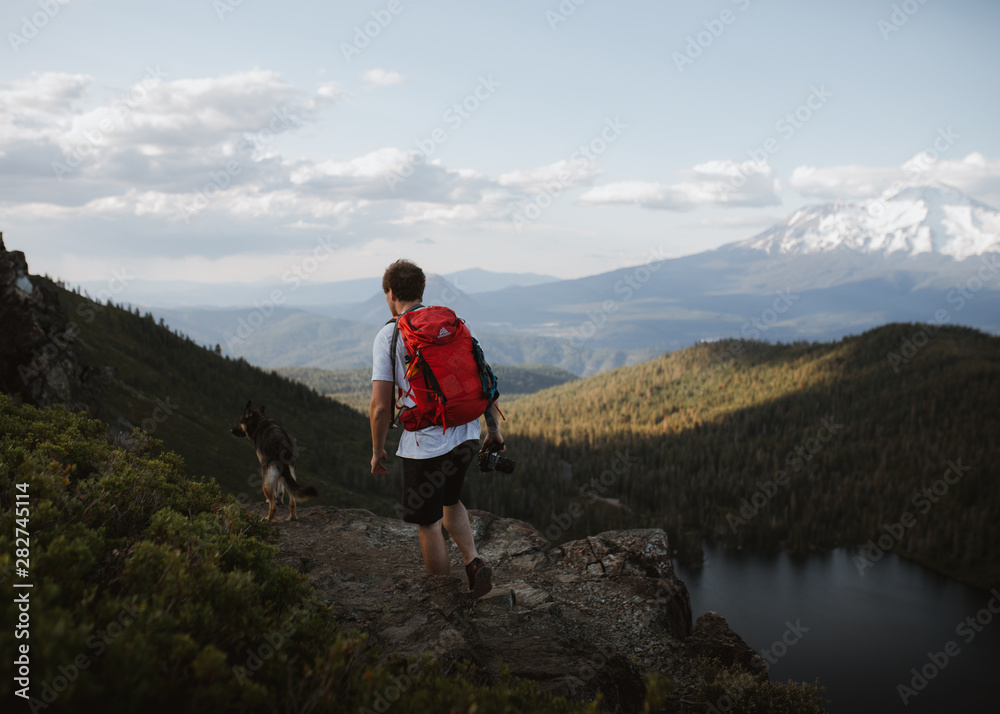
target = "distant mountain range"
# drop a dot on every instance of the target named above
(305, 294)
(927, 253)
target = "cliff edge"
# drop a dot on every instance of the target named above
(586, 617)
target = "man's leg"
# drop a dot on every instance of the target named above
(456, 520)
(433, 548)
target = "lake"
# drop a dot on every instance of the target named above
(860, 635)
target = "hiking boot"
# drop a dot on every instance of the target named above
(480, 577)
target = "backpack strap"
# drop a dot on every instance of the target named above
(392, 360)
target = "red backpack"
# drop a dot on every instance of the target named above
(450, 381)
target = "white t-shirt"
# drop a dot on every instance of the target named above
(424, 443)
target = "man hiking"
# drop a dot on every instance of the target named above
(436, 455)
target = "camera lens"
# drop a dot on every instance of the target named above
(504, 465)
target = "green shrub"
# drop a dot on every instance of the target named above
(739, 692)
(154, 590)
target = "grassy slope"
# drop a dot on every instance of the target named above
(154, 367)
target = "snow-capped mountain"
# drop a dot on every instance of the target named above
(917, 219)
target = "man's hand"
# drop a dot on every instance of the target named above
(492, 438)
(378, 468)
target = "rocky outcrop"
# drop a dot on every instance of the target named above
(712, 637)
(592, 615)
(38, 358)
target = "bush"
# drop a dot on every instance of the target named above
(154, 590)
(739, 692)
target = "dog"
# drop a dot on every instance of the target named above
(277, 462)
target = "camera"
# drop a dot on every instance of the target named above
(492, 461)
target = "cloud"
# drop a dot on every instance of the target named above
(974, 175)
(718, 183)
(192, 164)
(843, 182)
(559, 175)
(160, 135)
(38, 95)
(382, 78)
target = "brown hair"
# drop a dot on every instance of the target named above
(405, 279)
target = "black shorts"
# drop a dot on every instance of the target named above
(431, 484)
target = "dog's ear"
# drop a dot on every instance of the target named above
(248, 408)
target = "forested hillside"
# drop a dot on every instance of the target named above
(190, 398)
(802, 446)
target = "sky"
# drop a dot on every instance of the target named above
(221, 141)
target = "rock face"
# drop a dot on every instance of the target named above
(589, 616)
(712, 637)
(38, 360)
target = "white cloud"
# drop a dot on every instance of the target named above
(551, 177)
(720, 183)
(843, 182)
(382, 78)
(974, 175)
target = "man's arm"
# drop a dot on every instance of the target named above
(493, 435)
(378, 414)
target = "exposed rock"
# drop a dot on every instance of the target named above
(38, 359)
(712, 637)
(593, 615)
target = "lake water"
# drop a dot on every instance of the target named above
(860, 635)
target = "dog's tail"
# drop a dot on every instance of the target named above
(300, 492)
